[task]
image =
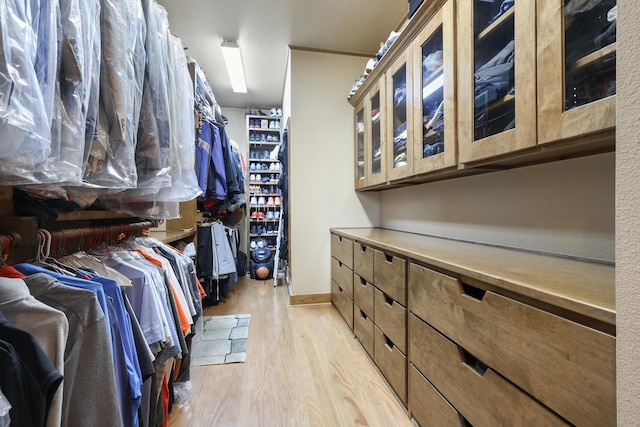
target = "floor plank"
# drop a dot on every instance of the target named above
(303, 368)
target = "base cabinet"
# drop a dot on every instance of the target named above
(462, 341)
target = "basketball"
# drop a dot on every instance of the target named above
(262, 272)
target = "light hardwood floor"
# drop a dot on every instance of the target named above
(304, 368)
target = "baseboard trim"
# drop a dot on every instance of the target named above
(309, 299)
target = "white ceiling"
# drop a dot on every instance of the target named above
(265, 28)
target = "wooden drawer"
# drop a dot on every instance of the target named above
(343, 303)
(363, 261)
(391, 362)
(565, 365)
(391, 318)
(363, 295)
(342, 275)
(363, 329)
(342, 249)
(389, 275)
(481, 395)
(427, 405)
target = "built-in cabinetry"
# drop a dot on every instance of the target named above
(518, 83)
(468, 334)
(265, 198)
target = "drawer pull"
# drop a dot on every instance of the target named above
(363, 315)
(389, 258)
(363, 282)
(473, 292)
(340, 264)
(339, 238)
(388, 343)
(388, 300)
(340, 289)
(472, 362)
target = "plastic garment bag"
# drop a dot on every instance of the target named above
(25, 120)
(111, 161)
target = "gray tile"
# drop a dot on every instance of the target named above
(217, 334)
(243, 316)
(243, 321)
(235, 357)
(221, 323)
(239, 345)
(242, 332)
(208, 360)
(216, 347)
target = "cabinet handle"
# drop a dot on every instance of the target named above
(388, 343)
(340, 289)
(363, 248)
(339, 264)
(363, 315)
(389, 258)
(388, 300)
(339, 238)
(472, 362)
(473, 292)
(363, 282)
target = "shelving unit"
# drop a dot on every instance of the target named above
(264, 138)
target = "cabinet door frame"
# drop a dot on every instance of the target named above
(405, 59)
(380, 178)
(445, 18)
(554, 122)
(524, 135)
(360, 183)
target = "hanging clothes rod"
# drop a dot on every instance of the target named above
(57, 243)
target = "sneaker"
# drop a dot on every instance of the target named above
(261, 201)
(265, 190)
(264, 167)
(276, 215)
(273, 112)
(279, 111)
(266, 180)
(258, 178)
(264, 124)
(270, 201)
(270, 215)
(261, 215)
(263, 138)
(254, 215)
(276, 201)
(254, 201)
(253, 244)
(265, 154)
(260, 243)
(252, 177)
(272, 167)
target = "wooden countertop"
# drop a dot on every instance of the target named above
(581, 287)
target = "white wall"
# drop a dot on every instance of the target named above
(321, 165)
(563, 207)
(628, 214)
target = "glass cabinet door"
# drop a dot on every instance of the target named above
(497, 60)
(375, 143)
(576, 68)
(360, 167)
(433, 61)
(400, 118)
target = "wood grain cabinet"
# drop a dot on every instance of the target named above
(576, 69)
(399, 118)
(360, 153)
(496, 78)
(376, 163)
(469, 334)
(434, 93)
(342, 277)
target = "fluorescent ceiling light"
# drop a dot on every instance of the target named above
(235, 69)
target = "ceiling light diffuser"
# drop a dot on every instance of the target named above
(235, 68)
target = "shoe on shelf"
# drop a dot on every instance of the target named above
(270, 215)
(276, 215)
(279, 112)
(273, 112)
(270, 201)
(265, 191)
(252, 177)
(276, 201)
(261, 201)
(253, 201)
(272, 167)
(262, 215)
(254, 215)
(258, 178)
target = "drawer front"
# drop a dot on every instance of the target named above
(392, 363)
(343, 276)
(343, 303)
(391, 318)
(342, 249)
(427, 406)
(568, 367)
(363, 329)
(363, 261)
(482, 396)
(363, 295)
(389, 275)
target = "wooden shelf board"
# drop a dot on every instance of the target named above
(172, 236)
(593, 58)
(91, 215)
(497, 23)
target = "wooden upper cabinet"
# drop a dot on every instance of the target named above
(360, 154)
(496, 77)
(434, 93)
(399, 108)
(576, 68)
(375, 149)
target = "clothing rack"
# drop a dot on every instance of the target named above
(63, 242)
(7, 242)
